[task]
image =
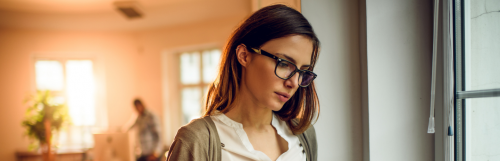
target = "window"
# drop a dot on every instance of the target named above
(197, 70)
(477, 79)
(73, 82)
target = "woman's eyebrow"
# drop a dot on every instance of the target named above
(292, 60)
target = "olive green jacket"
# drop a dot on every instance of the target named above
(199, 141)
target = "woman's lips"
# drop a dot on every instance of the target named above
(283, 96)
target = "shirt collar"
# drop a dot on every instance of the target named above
(280, 126)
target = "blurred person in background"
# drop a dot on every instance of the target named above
(148, 130)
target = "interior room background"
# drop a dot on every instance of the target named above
(373, 82)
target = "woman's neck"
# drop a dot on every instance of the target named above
(249, 113)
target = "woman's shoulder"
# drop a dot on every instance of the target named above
(197, 135)
(197, 129)
(196, 140)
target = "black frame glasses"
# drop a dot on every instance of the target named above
(278, 62)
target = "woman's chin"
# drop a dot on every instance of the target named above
(276, 107)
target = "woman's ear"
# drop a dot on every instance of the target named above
(243, 55)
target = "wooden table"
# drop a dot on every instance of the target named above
(60, 156)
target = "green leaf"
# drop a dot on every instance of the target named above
(39, 109)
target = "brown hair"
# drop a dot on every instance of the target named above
(266, 24)
(137, 101)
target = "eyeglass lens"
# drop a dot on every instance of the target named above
(307, 78)
(284, 69)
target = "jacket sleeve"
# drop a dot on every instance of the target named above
(313, 144)
(308, 140)
(180, 151)
(189, 144)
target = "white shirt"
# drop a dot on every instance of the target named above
(237, 147)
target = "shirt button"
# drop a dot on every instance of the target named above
(222, 144)
(300, 144)
(303, 151)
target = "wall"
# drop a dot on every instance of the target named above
(398, 72)
(339, 128)
(257, 4)
(374, 79)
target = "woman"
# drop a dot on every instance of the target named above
(263, 101)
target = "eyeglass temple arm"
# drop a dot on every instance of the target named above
(262, 52)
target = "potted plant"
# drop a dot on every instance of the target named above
(44, 116)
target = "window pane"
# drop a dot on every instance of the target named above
(204, 98)
(81, 91)
(190, 68)
(191, 104)
(484, 128)
(49, 75)
(482, 61)
(210, 65)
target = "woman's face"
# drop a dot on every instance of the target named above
(264, 86)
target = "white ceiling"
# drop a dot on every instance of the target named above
(101, 14)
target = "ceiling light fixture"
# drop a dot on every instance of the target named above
(130, 9)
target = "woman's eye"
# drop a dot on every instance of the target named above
(283, 64)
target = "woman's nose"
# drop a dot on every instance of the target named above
(293, 81)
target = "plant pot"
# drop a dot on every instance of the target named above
(47, 153)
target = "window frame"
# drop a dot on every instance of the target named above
(461, 28)
(171, 100)
(101, 122)
(181, 86)
(202, 85)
